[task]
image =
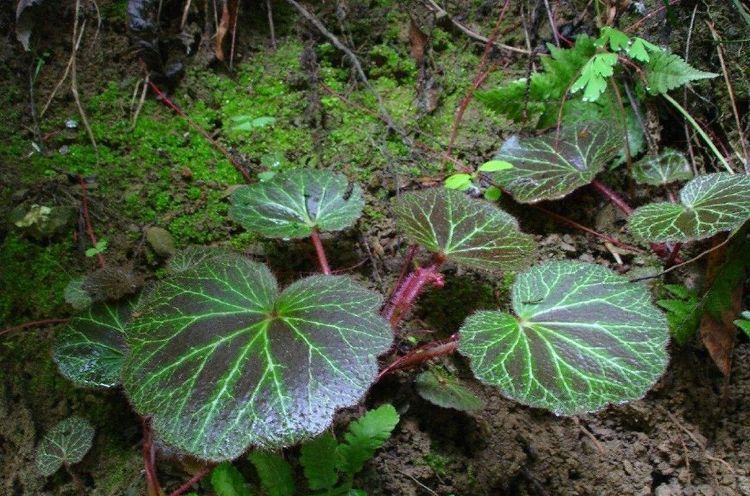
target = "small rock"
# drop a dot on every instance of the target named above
(161, 241)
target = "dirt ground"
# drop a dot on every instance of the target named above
(689, 436)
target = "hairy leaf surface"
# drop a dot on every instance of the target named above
(551, 166)
(467, 231)
(708, 205)
(666, 167)
(582, 337)
(67, 442)
(90, 349)
(295, 202)
(223, 361)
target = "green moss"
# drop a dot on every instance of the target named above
(33, 278)
(438, 463)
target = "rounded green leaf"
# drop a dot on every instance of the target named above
(67, 442)
(708, 205)
(443, 389)
(223, 361)
(295, 202)
(90, 349)
(466, 231)
(667, 167)
(552, 165)
(76, 296)
(582, 337)
(494, 166)
(460, 182)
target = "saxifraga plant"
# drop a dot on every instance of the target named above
(221, 360)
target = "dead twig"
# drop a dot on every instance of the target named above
(27, 325)
(87, 219)
(74, 76)
(730, 91)
(269, 10)
(471, 34)
(481, 76)
(357, 67)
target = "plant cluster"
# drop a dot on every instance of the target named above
(220, 359)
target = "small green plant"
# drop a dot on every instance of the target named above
(64, 445)
(682, 311)
(100, 247)
(329, 465)
(463, 181)
(744, 322)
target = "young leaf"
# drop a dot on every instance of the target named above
(616, 38)
(295, 202)
(708, 205)
(90, 349)
(492, 194)
(319, 460)
(467, 231)
(76, 296)
(666, 71)
(582, 337)
(683, 313)
(458, 181)
(226, 480)
(594, 76)
(551, 166)
(666, 167)
(494, 166)
(275, 473)
(443, 389)
(223, 361)
(639, 49)
(744, 323)
(67, 442)
(365, 436)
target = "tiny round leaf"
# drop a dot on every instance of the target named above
(67, 442)
(582, 337)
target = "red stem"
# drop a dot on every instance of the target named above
(423, 353)
(189, 484)
(410, 289)
(36, 323)
(322, 260)
(405, 267)
(149, 460)
(661, 249)
(87, 219)
(169, 103)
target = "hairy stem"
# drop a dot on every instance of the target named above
(76, 480)
(410, 289)
(423, 353)
(149, 460)
(87, 219)
(193, 480)
(322, 260)
(700, 132)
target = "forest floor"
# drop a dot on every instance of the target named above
(149, 168)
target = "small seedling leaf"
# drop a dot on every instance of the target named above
(274, 472)
(666, 71)
(293, 203)
(226, 480)
(551, 166)
(639, 49)
(708, 205)
(365, 436)
(582, 337)
(223, 360)
(666, 167)
(76, 296)
(443, 389)
(495, 165)
(458, 181)
(90, 349)
(616, 38)
(67, 442)
(492, 194)
(319, 459)
(594, 76)
(467, 231)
